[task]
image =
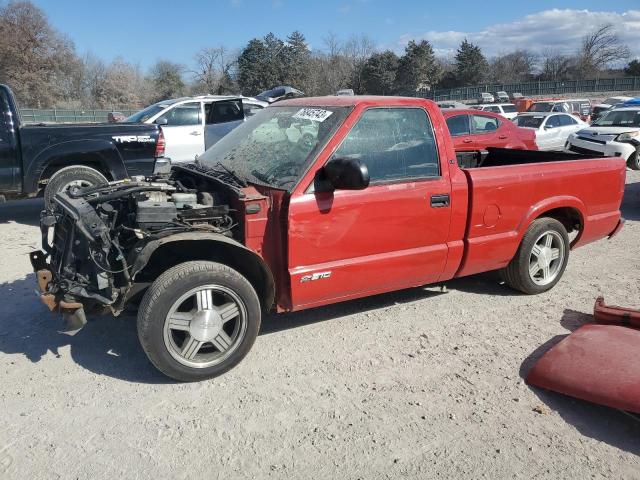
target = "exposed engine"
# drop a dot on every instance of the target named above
(98, 231)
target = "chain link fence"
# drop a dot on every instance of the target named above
(625, 84)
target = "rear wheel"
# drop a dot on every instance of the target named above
(633, 162)
(198, 320)
(541, 258)
(69, 177)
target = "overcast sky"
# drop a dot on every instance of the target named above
(142, 31)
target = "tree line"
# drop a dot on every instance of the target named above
(43, 68)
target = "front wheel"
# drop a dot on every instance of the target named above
(541, 257)
(198, 320)
(633, 162)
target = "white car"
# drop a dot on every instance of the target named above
(193, 124)
(507, 110)
(615, 134)
(552, 129)
(485, 97)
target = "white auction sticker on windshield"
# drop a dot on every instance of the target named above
(315, 114)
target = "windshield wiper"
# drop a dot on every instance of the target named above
(232, 173)
(261, 177)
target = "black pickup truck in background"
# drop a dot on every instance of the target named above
(47, 159)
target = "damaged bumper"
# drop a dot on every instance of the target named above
(72, 311)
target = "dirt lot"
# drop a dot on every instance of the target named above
(418, 384)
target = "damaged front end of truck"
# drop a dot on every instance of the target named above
(97, 242)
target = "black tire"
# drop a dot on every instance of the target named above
(64, 176)
(633, 162)
(516, 275)
(167, 290)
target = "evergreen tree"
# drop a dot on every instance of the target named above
(250, 64)
(471, 65)
(418, 68)
(262, 65)
(379, 73)
(633, 68)
(297, 61)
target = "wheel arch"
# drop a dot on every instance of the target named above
(570, 211)
(160, 255)
(101, 155)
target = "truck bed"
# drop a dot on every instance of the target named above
(510, 188)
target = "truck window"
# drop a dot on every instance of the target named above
(394, 143)
(226, 111)
(458, 125)
(484, 123)
(185, 114)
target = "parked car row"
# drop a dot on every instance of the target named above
(500, 97)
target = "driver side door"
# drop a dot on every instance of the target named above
(347, 244)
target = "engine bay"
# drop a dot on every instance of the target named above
(93, 235)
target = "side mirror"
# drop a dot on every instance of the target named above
(342, 174)
(161, 121)
(548, 127)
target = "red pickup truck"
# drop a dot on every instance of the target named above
(310, 202)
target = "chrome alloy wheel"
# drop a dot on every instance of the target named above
(547, 255)
(205, 325)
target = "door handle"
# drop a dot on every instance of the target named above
(440, 200)
(195, 134)
(502, 137)
(467, 140)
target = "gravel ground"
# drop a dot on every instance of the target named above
(418, 384)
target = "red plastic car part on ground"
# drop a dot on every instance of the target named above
(615, 315)
(597, 363)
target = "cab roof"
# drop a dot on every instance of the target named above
(349, 101)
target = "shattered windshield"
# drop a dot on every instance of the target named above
(276, 144)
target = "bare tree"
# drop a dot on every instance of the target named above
(556, 66)
(213, 73)
(516, 66)
(600, 49)
(357, 50)
(34, 57)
